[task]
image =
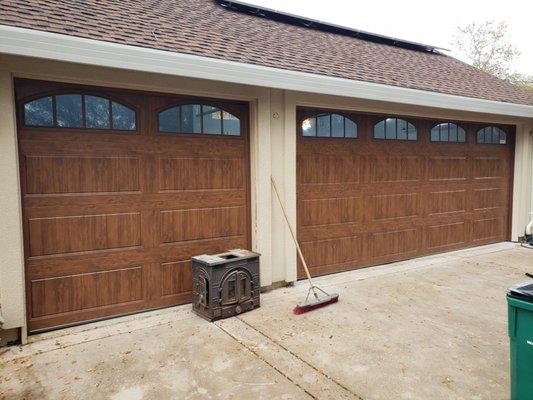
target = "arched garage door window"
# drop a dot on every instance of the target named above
(491, 135)
(75, 110)
(329, 125)
(448, 132)
(198, 118)
(395, 129)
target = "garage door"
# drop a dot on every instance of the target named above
(119, 189)
(373, 189)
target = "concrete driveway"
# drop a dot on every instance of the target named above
(431, 328)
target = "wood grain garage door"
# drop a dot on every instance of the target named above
(115, 200)
(365, 201)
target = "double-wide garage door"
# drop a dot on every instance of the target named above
(374, 189)
(119, 189)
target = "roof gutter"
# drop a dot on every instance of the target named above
(53, 46)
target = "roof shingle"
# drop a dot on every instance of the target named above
(202, 27)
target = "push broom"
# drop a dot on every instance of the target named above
(320, 298)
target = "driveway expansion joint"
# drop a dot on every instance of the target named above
(301, 359)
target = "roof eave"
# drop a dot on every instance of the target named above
(47, 45)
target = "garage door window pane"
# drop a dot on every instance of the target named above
(191, 118)
(488, 134)
(350, 128)
(323, 127)
(390, 128)
(444, 134)
(231, 125)
(69, 111)
(97, 112)
(461, 135)
(169, 120)
(411, 132)
(337, 125)
(481, 136)
(452, 132)
(123, 117)
(379, 130)
(39, 112)
(309, 127)
(212, 120)
(401, 129)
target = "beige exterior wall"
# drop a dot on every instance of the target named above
(272, 149)
(523, 186)
(12, 304)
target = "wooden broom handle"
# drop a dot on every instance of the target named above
(275, 185)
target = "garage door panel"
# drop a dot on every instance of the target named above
(82, 233)
(329, 231)
(489, 167)
(200, 173)
(392, 169)
(444, 169)
(202, 223)
(65, 205)
(177, 145)
(330, 211)
(329, 169)
(317, 192)
(87, 315)
(111, 218)
(86, 143)
(67, 294)
(488, 228)
(394, 206)
(446, 202)
(176, 278)
(417, 196)
(76, 174)
(79, 263)
(333, 251)
(489, 198)
(444, 235)
(394, 243)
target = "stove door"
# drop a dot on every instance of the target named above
(236, 288)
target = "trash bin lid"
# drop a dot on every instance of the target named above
(522, 291)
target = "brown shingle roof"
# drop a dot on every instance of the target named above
(202, 27)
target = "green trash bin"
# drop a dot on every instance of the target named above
(520, 306)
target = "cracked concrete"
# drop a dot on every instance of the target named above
(430, 328)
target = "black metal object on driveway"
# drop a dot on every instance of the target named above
(225, 284)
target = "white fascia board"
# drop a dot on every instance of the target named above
(53, 46)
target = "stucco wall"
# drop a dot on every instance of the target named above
(272, 150)
(12, 304)
(522, 185)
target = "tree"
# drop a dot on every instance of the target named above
(486, 46)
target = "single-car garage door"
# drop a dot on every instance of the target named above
(119, 189)
(373, 189)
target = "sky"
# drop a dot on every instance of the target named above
(425, 21)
